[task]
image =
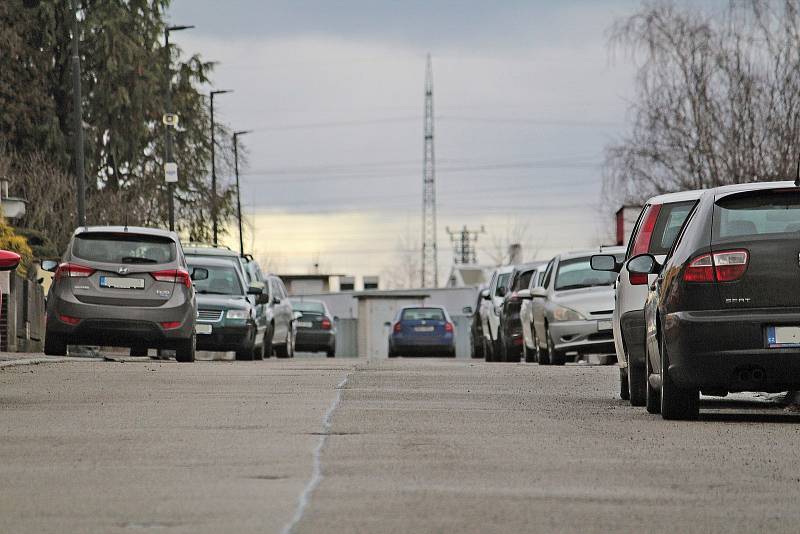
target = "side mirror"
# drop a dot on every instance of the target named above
(199, 273)
(643, 264)
(276, 300)
(335, 317)
(466, 310)
(50, 265)
(539, 293)
(605, 262)
(387, 323)
(255, 288)
(501, 291)
(485, 294)
(525, 294)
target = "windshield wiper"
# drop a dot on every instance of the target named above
(133, 259)
(573, 286)
(207, 292)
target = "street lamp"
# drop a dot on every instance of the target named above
(214, 167)
(169, 123)
(238, 191)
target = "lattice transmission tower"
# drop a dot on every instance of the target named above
(430, 266)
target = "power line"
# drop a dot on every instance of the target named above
(464, 249)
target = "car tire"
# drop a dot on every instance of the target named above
(287, 349)
(244, 355)
(637, 388)
(501, 349)
(513, 354)
(624, 391)
(555, 357)
(652, 396)
(268, 345)
(185, 351)
(677, 403)
(476, 351)
(55, 344)
(452, 353)
(541, 355)
(392, 354)
(487, 350)
(330, 353)
(138, 351)
(528, 354)
(258, 350)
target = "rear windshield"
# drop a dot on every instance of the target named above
(577, 273)
(124, 248)
(760, 213)
(668, 225)
(423, 314)
(308, 307)
(222, 280)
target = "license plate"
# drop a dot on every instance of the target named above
(304, 324)
(602, 326)
(203, 328)
(121, 283)
(423, 329)
(783, 336)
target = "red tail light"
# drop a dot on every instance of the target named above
(178, 276)
(69, 320)
(397, 327)
(171, 325)
(448, 327)
(641, 244)
(326, 324)
(726, 266)
(73, 270)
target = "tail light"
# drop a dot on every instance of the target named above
(177, 276)
(448, 327)
(73, 270)
(69, 320)
(641, 244)
(726, 266)
(326, 324)
(171, 325)
(397, 327)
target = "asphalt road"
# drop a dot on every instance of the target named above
(345, 445)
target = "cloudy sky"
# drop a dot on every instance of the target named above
(526, 96)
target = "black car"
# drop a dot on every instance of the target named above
(510, 332)
(723, 314)
(316, 328)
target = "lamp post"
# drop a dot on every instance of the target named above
(169, 122)
(80, 173)
(214, 168)
(238, 190)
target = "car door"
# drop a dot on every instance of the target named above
(486, 305)
(276, 304)
(284, 309)
(539, 303)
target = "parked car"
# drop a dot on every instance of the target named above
(491, 300)
(230, 315)
(205, 250)
(526, 313)
(655, 231)
(572, 309)
(475, 330)
(422, 331)
(122, 286)
(316, 328)
(722, 315)
(281, 318)
(510, 340)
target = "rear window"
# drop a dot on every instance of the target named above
(308, 307)
(423, 314)
(669, 223)
(757, 213)
(523, 280)
(124, 248)
(577, 273)
(222, 280)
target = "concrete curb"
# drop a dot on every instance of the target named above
(37, 361)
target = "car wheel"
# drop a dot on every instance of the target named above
(501, 349)
(652, 395)
(244, 355)
(286, 350)
(487, 350)
(541, 355)
(392, 354)
(268, 345)
(476, 350)
(55, 344)
(624, 392)
(258, 350)
(637, 384)
(676, 402)
(138, 351)
(556, 357)
(528, 354)
(185, 351)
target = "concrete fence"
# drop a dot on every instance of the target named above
(23, 314)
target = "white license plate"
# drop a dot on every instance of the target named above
(203, 328)
(121, 283)
(783, 336)
(304, 324)
(423, 329)
(602, 326)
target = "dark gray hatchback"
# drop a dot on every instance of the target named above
(122, 286)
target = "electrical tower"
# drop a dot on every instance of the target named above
(430, 267)
(464, 250)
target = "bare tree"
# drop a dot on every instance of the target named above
(404, 271)
(515, 232)
(718, 97)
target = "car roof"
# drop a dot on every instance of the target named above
(503, 269)
(210, 261)
(587, 253)
(724, 190)
(197, 249)
(141, 230)
(530, 266)
(680, 196)
(422, 308)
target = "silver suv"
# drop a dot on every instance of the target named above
(122, 286)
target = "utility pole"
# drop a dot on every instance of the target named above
(170, 121)
(464, 251)
(80, 173)
(238, 189)
(430, 267)
(214, 202)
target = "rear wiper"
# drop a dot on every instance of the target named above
(133, 259)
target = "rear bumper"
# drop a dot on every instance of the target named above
(582, 336)
(632, 326)
(422, 343)
(314, 339)
(728, 350)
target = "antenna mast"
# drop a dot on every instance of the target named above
(429, 264)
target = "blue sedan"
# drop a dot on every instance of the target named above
(417, 331)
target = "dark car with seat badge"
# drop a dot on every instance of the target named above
(316, 327)
(122, 286)
(723, 315)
